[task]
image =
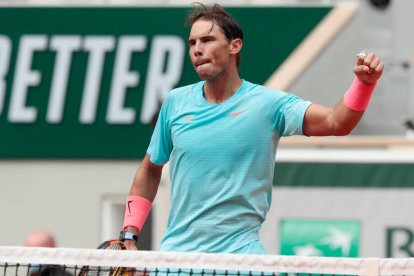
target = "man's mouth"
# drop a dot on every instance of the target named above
(199, 63)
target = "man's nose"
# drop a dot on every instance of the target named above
(198, 50)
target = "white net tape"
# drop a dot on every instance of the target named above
(154, 259)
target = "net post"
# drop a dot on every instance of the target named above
(372, 267)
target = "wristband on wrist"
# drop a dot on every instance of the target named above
(125, 235)
(358, 95)
(137, 209)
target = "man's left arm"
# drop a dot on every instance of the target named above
(343, 118)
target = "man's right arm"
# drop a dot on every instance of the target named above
(145, 185)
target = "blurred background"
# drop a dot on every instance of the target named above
(81, 84)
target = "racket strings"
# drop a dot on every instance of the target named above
(108, 271)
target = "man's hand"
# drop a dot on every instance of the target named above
(368, 67)
(130, 245)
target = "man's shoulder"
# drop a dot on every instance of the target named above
(264, 91)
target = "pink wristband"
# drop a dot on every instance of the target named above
(358, 95)
(137, 209)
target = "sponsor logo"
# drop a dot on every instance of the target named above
(330, 238)
(400, 242)
(188, 118)
(237, 113)
(164, 71)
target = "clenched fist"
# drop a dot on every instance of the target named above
(368, 68)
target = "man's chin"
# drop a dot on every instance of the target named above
(203, 75)
(203, 72)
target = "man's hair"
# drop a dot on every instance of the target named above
(219, 16)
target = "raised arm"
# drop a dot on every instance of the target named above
(343, 118)
(139, 202)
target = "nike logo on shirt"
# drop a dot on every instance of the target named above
(237, 113)
(188, 118)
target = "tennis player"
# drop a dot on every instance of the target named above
(220, 136)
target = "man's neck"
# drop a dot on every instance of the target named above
(220, 89)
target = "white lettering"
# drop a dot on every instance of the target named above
(5, 51)
(160, 82)
(64, 46)
(25, 77)
(97, 46)
(123, 78)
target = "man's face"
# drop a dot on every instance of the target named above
(209, 49)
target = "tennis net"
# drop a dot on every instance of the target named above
(67, 261)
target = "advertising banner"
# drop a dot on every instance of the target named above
(89, 82)
(353, 208)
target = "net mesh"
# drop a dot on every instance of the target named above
(84, 262)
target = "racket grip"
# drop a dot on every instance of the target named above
(137, 209)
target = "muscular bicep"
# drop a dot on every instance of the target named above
(318, 121)
(324, 121)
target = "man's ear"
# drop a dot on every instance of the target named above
(236, 45)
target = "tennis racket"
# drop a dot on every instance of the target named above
(107, 271)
